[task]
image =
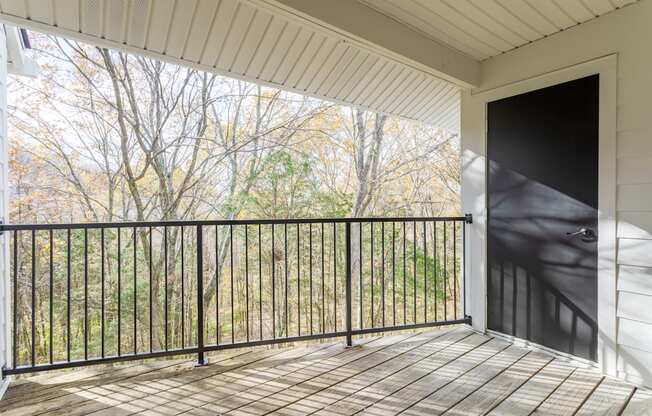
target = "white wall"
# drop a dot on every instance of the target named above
(628, 33)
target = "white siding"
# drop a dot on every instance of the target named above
(628, 33)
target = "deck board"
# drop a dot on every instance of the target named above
(357, 400)
(502, 386)
(570, 395)
(451, 371)
(353, 392)
(640, 404)
(609, 399)
(528, 397)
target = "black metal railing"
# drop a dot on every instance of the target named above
(103, 292)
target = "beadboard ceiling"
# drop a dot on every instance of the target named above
(239, 39)
(265, 41)
(485, 28)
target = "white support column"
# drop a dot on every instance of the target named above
(5, 344)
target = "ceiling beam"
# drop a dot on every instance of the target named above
(366, 26)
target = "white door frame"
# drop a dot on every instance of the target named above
(474, 192)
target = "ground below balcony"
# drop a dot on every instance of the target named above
(453, 371)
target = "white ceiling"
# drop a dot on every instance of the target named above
(310, 46)
(485, 28)
(239, 39)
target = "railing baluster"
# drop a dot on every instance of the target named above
(51, 310)
(335, 275)
(14, 320)
(200, 295)
(273, 283)
(151, 304)
(323, 297)
(119, 292)
(404, 277)
(68, 267)
(361, 305)
(310, 271)
(246, 249)
(260, 282)
(135, 300)
(285, 251)
(445, 277)
(455, 268)
(425, 274)
(33, 323)
(349, 340)
(165, 262)
(435, 265)
(371, 262)
(382, 247)
(414, 270)
(298, 280)
(183, 296)
(217, 288)
(85, 294)
(394, 273)
(231, 258)
(102, 289)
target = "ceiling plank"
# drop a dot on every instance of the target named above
(368, 27)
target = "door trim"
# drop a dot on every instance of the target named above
(474, 192)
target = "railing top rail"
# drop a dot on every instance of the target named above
(189, 223)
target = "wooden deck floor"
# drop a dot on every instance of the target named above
(452, 372)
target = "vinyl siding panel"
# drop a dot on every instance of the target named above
(629, 306)
(635, 334)
(636, 280)
(635, 252)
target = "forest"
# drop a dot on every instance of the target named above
(105, 137)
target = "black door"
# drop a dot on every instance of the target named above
(542, 230)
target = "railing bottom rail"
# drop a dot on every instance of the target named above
(215, 348)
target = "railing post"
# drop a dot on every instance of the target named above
(349, 341)
(200, 296)
(468, 219)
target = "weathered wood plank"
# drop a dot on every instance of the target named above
(360, 391)
(460, 388)
(168, 395)
(227, 385)
(294, 390)
(640, 404)
(112, 395)
(66, 384)
(494, 392)
(609, 399)
(524, 400)
(570, 395)
(270, 385)
(403, 398)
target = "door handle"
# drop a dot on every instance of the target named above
(587, 234)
